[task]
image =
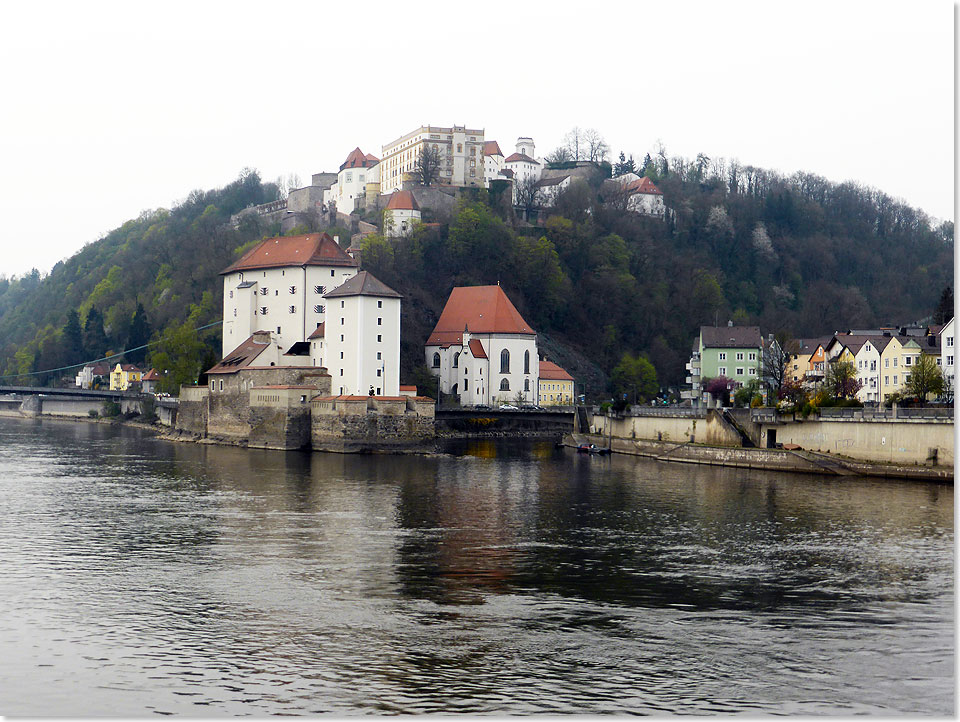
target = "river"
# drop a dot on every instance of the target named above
(144, 577)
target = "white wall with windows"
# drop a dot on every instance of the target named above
(947, 353)
(509, 373)
(286, 301)
(362, 345)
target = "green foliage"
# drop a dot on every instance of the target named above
(111, 409)
(635, 377)
(93, 414)
(926, 379)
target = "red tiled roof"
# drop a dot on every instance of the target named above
(644, 185)
(151, 375)
(363, 284)
(359, 398)
(242, 356)
(409, 388)
(491, 147)
(483, 309)
(357, 159)
(551, 372)
(373, 158)
(476, 348)
(283, 386)
(319, 333)
(312, 249)
(520, 156)
(402, 201)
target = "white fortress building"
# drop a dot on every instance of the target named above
(362, 338)
(461, 156)
(482, 349)
(279, 286)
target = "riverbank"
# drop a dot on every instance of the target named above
(791, 460)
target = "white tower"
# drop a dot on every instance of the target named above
(526, 147)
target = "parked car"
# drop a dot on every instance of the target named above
(508, 407)
(482, 407)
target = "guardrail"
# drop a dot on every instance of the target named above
(856, 413)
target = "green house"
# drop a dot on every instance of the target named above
(731, 351)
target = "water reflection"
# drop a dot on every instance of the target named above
(144, 576)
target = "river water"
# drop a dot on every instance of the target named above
(142, 577)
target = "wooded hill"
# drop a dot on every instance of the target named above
(798, 254)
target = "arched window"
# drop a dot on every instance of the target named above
(526, 362)
(456, 360)
(504, 385)
(504, 361)
(526, 384)
(454, 390)
(436, 360)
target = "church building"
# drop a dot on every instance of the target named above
(483, 350)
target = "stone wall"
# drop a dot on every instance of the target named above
(366, 425)
(904, 441)
(273, 427)
(709, 430)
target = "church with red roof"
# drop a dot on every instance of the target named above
(482, 349)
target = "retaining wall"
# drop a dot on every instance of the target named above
(706, 430)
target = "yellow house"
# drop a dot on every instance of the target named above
(897, 361)
(556, 385)
(123, 375)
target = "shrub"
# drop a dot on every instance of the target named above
(93, 414)
(111, 409)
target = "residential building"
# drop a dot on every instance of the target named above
(492, 162)
(401, 214)
(899, 358)
(93, 376)
(807, 362)
(523, 166)
(279, 286)
(947, 353)
(149, 381)
(483, 350)
(556, 385)
(350, 190)
(549, 188)
(731, 351)
(123, 375)
(460, 150)
(642, 195)
(868, 354)
(362, 338)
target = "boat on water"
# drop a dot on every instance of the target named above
(591, 449)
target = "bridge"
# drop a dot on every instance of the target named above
(494, 420)
(48, 401)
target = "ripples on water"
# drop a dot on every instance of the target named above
(145, 577)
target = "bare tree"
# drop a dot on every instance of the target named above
(775, 359)
(596, 149)
(426, 167)
(574, 143)
(528, 195)
(560, 155)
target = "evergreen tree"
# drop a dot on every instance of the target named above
(94, 339)
(209, 361)
(73, 339)
(139, 335)
(944, 310)
(625, 165)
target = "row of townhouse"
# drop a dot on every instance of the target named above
(883, 358)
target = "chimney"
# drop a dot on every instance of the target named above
(336, 240)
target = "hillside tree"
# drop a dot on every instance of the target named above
(926, 379)
(426, 166)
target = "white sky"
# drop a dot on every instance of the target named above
(113, 108)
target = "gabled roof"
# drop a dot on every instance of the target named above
(546, 182)
(551, 372)
(854, 342)
(363, 284)
(516, 157)
(312, 249)
(644, 185)
(476, 348)
(491, 147)
(402, 201)
(319, 333)
(484, 309)
(126, 367)
(242, 356)
(151, 375)
(730, 336)
(357, 159)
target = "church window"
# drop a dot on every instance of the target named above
(456, 360)
(526, 384)
(505, 361)
(526, 362)
(436, 360)
(504, 385)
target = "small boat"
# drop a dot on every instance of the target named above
(591, 449)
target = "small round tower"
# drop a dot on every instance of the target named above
(526, 147)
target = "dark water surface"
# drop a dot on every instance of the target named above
(139, 577)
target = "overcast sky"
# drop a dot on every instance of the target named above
(113, 108)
